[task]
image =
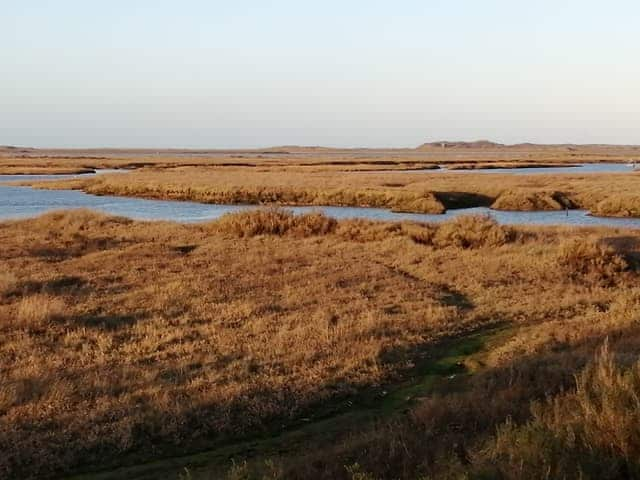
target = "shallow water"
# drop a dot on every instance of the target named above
(579, 169)
(25, 202)
(64, 176)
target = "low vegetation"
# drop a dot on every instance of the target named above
(472, 232)
(525, 416)
(275, 222)
(458, 155)
(618, 205)
(528, 200)
(34, 313)
(612, 194)
(591, 432)
(123, 342)
(8, 282)
(586, 258)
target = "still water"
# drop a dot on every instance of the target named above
(578, 169)
(24, 202)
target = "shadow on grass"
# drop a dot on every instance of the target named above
(443, 405)
(57, 286)
(320, 422)
(104, 322)
(454, 298)
(454, 200)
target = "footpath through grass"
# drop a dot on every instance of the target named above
(438, 369)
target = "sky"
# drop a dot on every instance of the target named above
(252, 73)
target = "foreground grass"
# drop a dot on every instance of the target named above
(431, 374)
(124, 342)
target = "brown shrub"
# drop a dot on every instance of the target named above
(473, 231)
(275, 221)
(586, 258)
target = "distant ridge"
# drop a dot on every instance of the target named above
(465, 147)
(449, 144)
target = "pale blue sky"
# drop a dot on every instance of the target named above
(249, 73)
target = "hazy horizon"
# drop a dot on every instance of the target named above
(366, 74)
(302, 146)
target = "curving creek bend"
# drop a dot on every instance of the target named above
(24, 202)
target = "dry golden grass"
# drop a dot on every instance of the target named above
(353, 177)
(275, 222)
(592, 432)
(526, 200)
(619, 205)
(604, 194)
(466, 156)
(584, 258)
(540, 414)
(139, 340)
(8, 282)
(472, 232)
(37, 311)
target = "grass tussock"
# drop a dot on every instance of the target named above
(275, 221)
(587, 258)
(527, 200)
(474, 231)
(464, 232)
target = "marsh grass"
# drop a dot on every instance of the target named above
(274, 221)
(585, 257)
(619, 205)
(568, 414)
(463, 156)
(187, 337)
(528, 200)
(408, 192)
(591, 432)
(473, 232)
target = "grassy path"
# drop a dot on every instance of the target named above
(438, 369)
